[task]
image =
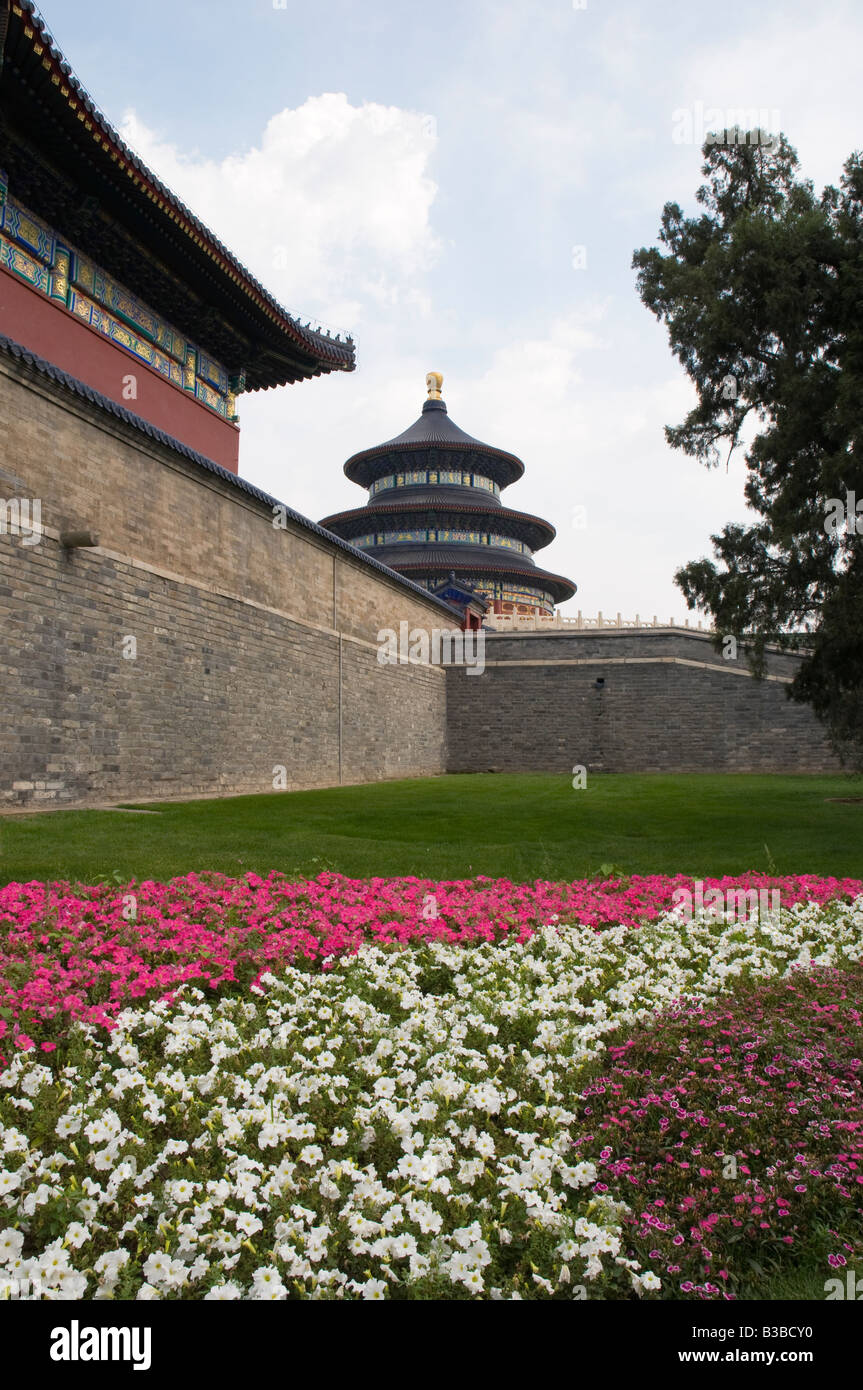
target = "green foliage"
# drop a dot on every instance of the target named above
(612, 871)
(761, 296)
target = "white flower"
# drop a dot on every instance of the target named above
(484, 1146)
(373, 1289)
(76, 1235)
(460, 1266)
(111, 1263)
(444, 1140)
(267, 1283)
(35, 1079)
(178, 1274)
(223, 1293)
(403, 1246)
(157, 1268)
(11, 1242)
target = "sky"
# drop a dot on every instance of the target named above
(461, 186)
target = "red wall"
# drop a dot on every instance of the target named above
(52, 332)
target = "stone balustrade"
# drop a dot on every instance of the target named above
(580, 622)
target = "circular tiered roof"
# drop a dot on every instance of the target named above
(434, 510)
(433, 433)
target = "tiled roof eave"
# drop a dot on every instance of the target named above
(414, 445)
(442, 561)
(325, 351)
(496, 516)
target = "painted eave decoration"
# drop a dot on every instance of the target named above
(70, 166)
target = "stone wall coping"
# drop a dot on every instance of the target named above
(726, 668)
(639, 634)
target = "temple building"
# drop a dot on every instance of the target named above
(171, 630)
(106, 275)
(435, 515)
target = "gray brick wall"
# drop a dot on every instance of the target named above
(256, 646)
(669, 703)
(257, 649)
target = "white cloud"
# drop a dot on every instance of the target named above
(330, 210)
(805, 65)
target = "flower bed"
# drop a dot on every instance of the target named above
(409, 1123)
(86, 952)
(734, 1132)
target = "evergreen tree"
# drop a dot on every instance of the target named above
(762, 295)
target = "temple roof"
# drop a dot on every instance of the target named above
(432, 431)
(458, 592)
(479, 562)
(522, 525)
(434, 427)
(68, 164)
(456, 511)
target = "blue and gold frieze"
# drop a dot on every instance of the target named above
(31, 250)
(212, 373)
(461, 537)
(508, 594)
(97, 286)
(21, 226)
(190, 366)
(93, 314)
(60, 274)
(173, 342)
(432, 478)
(507, 543)
(126, 307)
(205, 393)
(27, 267)
(441, 536)
(83, 274)
(497, 591)
(84, 308)
(101, 287)
(381, 485)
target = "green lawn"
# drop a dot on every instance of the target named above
(517, 826)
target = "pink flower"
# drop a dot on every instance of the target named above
(207, 928)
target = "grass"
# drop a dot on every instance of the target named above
(521, 826)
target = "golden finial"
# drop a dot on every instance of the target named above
(434, 382)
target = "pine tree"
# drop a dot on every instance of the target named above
(762, 295)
